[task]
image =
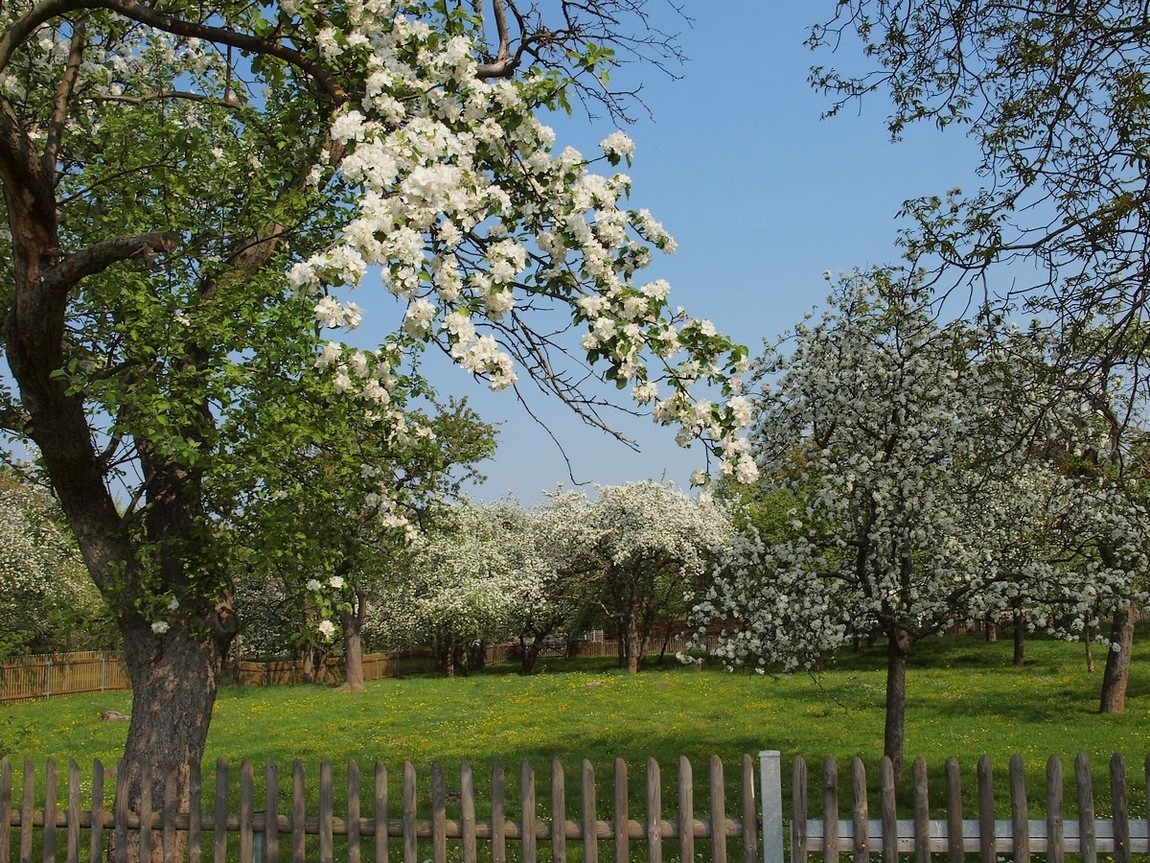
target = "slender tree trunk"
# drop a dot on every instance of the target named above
(1117, 671)
(991, 631)
(352, 625)
(1088, 640)
(1019, 637)
(894, 734)
(631, 640)
(352, 655)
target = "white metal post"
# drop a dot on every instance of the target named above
(771, 784)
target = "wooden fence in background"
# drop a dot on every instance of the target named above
(48, 675)
(62, 674)
(55, 674)
(266, 828)
(1054, 836)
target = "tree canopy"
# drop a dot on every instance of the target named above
(1055, 96)
(191, 192)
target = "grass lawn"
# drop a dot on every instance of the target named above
(964, 699)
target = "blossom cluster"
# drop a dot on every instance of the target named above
(471, 218)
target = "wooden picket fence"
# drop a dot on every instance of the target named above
(265, 830)
(372, 825)
(1054, 836)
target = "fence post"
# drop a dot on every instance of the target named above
(771, 788)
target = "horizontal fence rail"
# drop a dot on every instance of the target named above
(266, 828)
(1054, 836)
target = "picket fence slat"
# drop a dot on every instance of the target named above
(622, 838)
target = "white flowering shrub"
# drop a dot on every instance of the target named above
(47, 602)
(636, 552)
(922, 499)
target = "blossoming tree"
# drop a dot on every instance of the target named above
(908, 445)
(460, 587)
(640, 550)
(43, 589)
(190, 192)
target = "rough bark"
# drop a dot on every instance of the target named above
(175, 677)
(352, 624)
(894, 733)
(1117, 671)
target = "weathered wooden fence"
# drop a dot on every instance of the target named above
(466, 825)
(43, 676)
(1055, 835)
(50, 675)
(266, 828)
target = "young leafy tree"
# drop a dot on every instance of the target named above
(339, 479)
(188, 193)
(921, 503)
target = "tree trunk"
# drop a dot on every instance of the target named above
(529, 653)
(1019, 637)
(175, 677)
(991, 631)
(894, 734)
(352, 624)
(352, 655)
(1117, 671)
(631, 643)
(1088, 640)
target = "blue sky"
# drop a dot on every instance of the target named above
(761, 195)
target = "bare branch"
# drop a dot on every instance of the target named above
(63, 94)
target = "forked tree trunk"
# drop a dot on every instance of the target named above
(894, 733)
(352, 624)
(1117, 671)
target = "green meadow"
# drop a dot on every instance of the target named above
(965, 699)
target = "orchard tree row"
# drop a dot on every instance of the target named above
(632, 559)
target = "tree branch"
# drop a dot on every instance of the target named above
(95, 259)
(23, 28)
(64, 90)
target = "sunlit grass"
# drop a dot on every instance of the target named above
(964, 699)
